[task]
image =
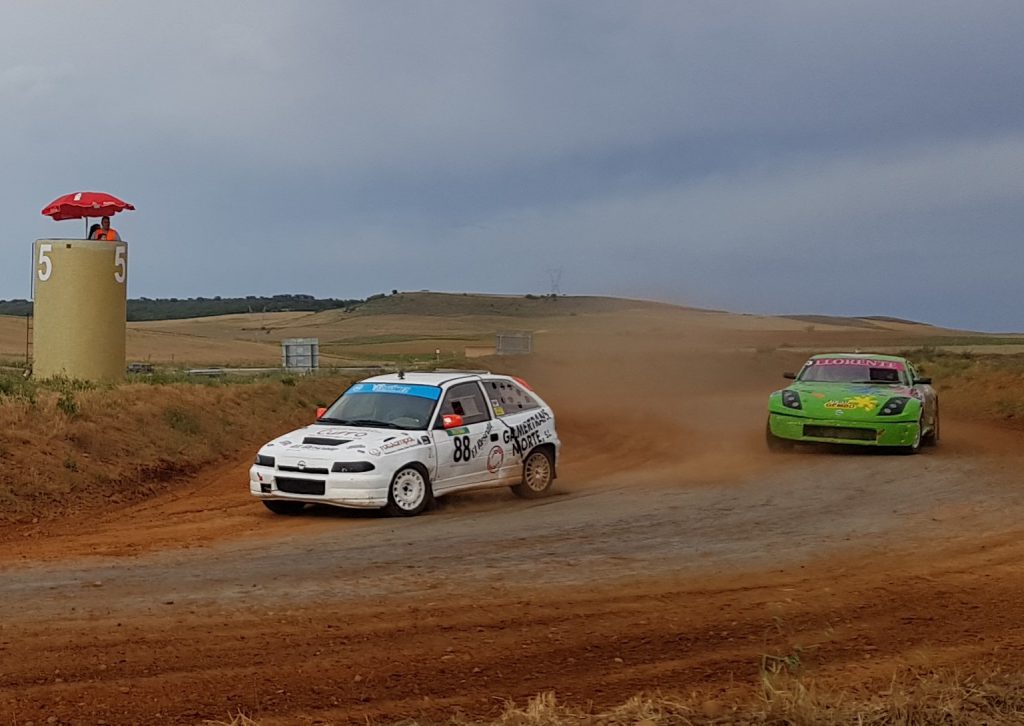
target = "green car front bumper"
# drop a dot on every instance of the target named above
(831, 431)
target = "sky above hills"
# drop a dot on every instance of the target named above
(778, 157)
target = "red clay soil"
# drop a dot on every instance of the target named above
(678, 555)
(428, 654)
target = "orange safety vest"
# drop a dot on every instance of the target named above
(110, 235)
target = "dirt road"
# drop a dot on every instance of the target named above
(676, 554)
(660, 577)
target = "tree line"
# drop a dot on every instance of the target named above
(173, 308)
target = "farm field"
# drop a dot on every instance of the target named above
(678, 556)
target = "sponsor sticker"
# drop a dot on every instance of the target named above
(467, 449)
(394, 445)
(397, 444)
(399, 389)
(865, 403)
(864, 362)
(340, 433)
(531, 432)
(494, 459)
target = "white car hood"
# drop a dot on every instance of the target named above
(329, 443)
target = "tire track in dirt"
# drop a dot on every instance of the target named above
(215, 505)
(424, 655)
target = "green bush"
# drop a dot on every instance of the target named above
(19, 387)
(67, 404)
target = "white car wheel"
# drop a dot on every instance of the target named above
(538, 475)
(409, 493)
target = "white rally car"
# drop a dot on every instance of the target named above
(397, 441)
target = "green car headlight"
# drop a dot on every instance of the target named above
(894, 406)
(791, 399)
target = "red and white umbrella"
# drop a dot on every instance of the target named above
(82, 205)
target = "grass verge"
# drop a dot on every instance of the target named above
(976, 386)
(68, 447)
(914, 697)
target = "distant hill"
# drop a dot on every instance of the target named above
(901, 321)
(444, 304)
(397, 303)
(864, 321)
(201, 307)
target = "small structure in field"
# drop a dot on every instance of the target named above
(514, 342)
(301, 355)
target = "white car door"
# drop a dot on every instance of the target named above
(462, 448)
(517, 411)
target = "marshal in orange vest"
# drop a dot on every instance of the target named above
(106, 232)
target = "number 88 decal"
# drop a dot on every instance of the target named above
(462, 448)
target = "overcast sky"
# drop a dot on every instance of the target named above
(821, 157)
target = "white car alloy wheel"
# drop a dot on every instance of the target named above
(538, 473)
(409, 493)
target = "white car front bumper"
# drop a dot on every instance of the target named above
(354, 491)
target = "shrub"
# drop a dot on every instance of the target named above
(181, 420)
(67, 404)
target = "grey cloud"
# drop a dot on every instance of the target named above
(703, 152)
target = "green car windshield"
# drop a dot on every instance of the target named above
(848, 372)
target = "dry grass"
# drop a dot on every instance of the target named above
(973, 386)
(913, 698)
(70, 447)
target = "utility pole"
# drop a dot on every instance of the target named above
(555, 275)
(28, 340)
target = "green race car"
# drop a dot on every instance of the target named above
(855, 398)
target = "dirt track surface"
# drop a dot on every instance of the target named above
(676, 554)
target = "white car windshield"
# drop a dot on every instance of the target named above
(384, 405)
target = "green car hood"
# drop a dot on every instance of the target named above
(851, 401)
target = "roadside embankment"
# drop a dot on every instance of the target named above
(68, 447)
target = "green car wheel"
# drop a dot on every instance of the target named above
(915, 446)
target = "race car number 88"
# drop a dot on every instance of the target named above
(461, 449)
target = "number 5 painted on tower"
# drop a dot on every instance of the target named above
(120, 265)
(46, 264)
